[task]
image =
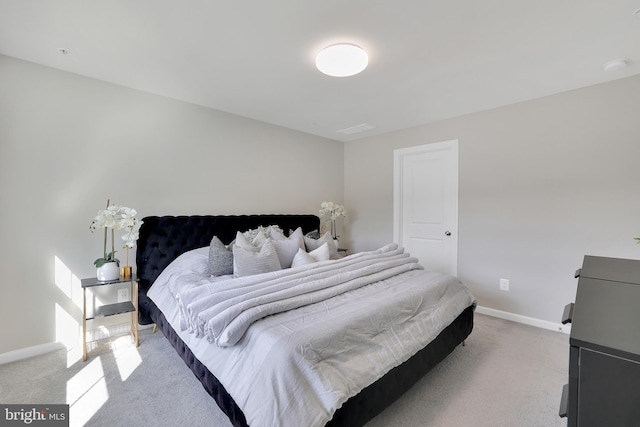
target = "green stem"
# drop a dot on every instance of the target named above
(105, 235)
(104, 250)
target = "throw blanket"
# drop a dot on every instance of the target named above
(222, 311)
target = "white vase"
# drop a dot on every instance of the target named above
(108, 271)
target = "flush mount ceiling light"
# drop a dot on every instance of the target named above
(615, 65)
(342, 60)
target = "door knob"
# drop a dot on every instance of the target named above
(447, 233)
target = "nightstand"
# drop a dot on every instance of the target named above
(126, 307)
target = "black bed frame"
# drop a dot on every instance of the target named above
(162, 239)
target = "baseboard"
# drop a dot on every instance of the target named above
(36, 350)
(544, 324)
(24, 353)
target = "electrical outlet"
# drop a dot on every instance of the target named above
(504, 284)
(123, 295)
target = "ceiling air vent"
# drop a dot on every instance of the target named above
(355, 129)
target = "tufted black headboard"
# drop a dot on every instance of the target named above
(163, 238)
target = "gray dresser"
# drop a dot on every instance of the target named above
(604, 356)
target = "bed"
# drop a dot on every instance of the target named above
(163, 239)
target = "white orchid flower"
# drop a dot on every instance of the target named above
(334, 211)
(117, 217)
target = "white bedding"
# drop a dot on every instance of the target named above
(296, 367)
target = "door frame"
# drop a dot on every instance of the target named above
(398, 158)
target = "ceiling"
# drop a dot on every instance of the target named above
(428, 59)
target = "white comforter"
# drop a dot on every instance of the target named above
(295, 367)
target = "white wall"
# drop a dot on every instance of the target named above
(542, 183)
(67, 143)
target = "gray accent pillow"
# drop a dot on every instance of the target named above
(220, 258)
(315, 234)
(313, 244)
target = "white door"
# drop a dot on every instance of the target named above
(425, 198)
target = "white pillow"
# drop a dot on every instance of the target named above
(244, 242)
(286, 250)
(279, 235)
(255, 260)
(287, 247)
(303, 258)
(313, 244)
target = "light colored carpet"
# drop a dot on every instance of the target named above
(507, 375)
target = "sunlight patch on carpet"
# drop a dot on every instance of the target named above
(87, 392)
(127, 360)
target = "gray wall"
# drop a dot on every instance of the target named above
(67, 143)
(542, 183)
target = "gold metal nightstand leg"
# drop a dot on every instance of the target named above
(134, 315)
(84, 324)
